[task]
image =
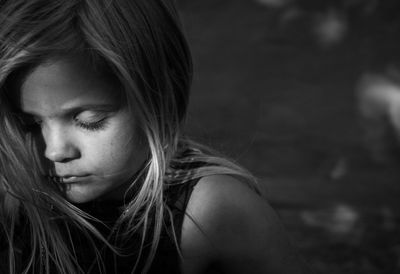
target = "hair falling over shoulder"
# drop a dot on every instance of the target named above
(139, 42)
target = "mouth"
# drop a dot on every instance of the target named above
(69, 179)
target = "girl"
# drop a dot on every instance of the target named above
(95, 175)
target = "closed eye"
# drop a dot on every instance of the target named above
(91, 119)
(29, 122)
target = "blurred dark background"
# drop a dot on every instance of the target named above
(304, 94)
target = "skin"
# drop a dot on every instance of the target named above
(88, 137)
(231, 229)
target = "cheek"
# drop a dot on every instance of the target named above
(117, 150)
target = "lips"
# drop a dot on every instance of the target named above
(73, 179)
(68, 179)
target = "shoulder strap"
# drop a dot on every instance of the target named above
(179, 196)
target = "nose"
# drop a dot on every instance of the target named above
(60, 147)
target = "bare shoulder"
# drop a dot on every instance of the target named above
(231, 228)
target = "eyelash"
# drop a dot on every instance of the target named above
(92, 126)
(31, 124)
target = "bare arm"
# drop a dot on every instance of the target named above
(231, 229)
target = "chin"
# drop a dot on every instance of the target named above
(78, 195)
(79, 199)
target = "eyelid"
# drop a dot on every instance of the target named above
(28, 118)
(93, 117)
(28, 122)
(96, 120)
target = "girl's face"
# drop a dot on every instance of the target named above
(89, 137)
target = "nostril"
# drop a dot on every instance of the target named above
(61, 157)
(61, 154)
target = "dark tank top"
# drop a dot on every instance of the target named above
(166, 260)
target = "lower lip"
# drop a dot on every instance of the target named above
(74, 179)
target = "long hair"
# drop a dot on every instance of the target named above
(140, 42)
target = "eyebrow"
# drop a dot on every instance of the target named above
(72, 110)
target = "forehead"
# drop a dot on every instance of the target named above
(65, 83)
